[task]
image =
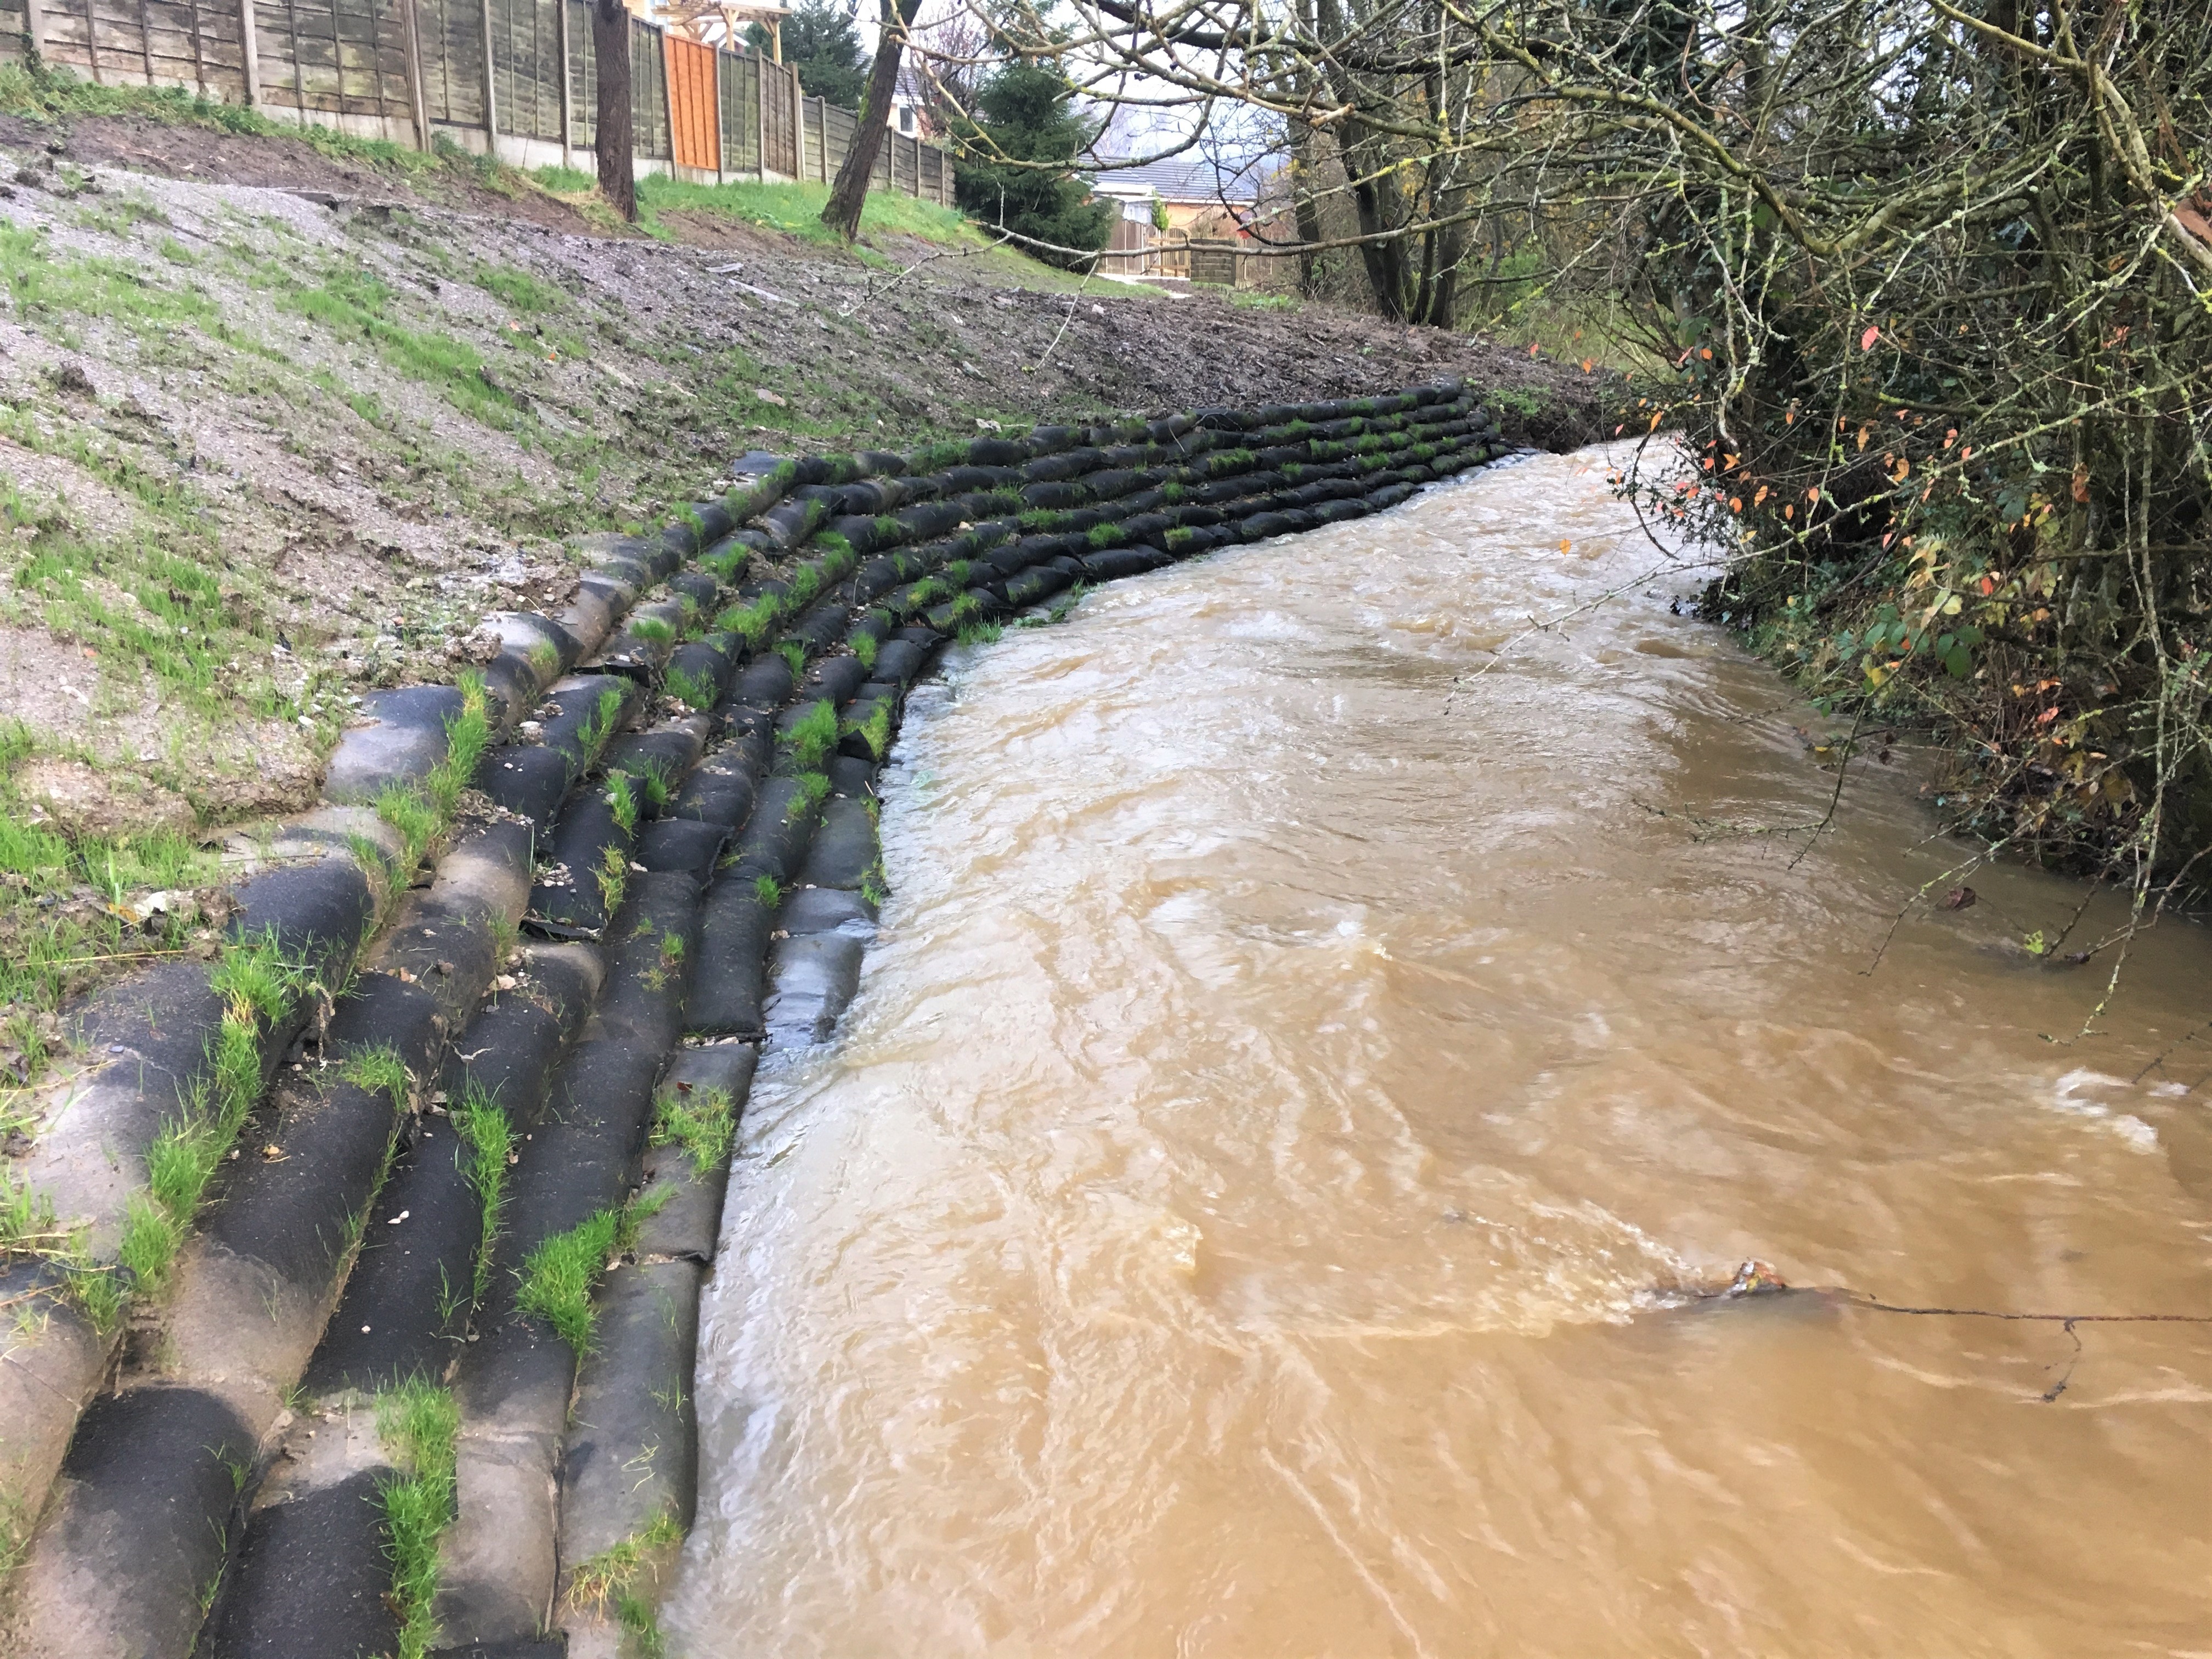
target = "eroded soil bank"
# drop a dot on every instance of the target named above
(278, 424)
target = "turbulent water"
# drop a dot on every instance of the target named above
(1315, 1016)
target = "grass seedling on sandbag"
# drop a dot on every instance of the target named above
(653, 630)
(693, 689)
(768, 890)
(613, 878)
(794, 653)
(700, 1121)
(813, 790)
(982, 633)
(488, 1140)
(256, 987)
(614, 1574)
(599, 725)
(752, 622)
(561, 1274)
(418, 1424)
(380, 1070)
(812, 736)
(622, 801)
(865, 648)
(1104, 535)
(875, 731)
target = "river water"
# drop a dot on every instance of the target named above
(1236, 1216)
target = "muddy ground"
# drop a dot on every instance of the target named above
(276, 424)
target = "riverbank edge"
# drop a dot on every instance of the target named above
(348, 908)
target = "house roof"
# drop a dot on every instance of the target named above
(1186, 178)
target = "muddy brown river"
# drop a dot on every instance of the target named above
(1236, 1216)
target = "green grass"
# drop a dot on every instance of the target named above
(561, 1274)
(796, 211)
(616, 1573)
(794, 653)
(622, 801)
(613, 878)
(875, 731)
(700, 1121)
(693, 689)
(380, 1070)
(519, 290)
(54, 94)
(654, 631)
(418, 1424)
(752, 622)
(768, 890)
(256, 987)
(565, 181)
(353, 305)
(813, 737)
(420, 812)
(487, 1139)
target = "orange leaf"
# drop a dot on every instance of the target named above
(1588, 364)
(2080, 481)
(1735, 503)
(1989, 586)
(1866, 339)
(1564, 544)
(1789, 512)
(1814, 493)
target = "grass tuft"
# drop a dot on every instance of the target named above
(488, 1140)
(813, 737)
(701, 1121)
(561, 1274)
(418, 1424)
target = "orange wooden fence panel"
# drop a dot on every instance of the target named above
(692, 117)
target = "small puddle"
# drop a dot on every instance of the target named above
(1227, 1222)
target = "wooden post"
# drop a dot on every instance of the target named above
(491, 85)
(668, 100)
(760, 112)
(34, 25)
(798, 127)
(410, 44)
(719, 177)
(249, 52)
(568, 96)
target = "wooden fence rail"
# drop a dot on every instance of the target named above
(511, 78)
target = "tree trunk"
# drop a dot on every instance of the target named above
(850, 194)
(610, 47)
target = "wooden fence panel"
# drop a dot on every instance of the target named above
(780, 129)
(452, 34)
(840, 125)
(648, 93)
(332, 58)
(693, 123)
(740, 134)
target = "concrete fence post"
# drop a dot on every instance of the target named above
(34, 27)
